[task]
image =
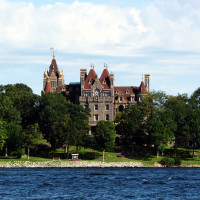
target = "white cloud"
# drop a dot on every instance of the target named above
(102, 29)
(110, 32)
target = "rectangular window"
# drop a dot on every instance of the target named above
(96, 117)
(107, 117)
(107, 107)
(87, 94)
(95, 107)
(107, 94)
(120, 98)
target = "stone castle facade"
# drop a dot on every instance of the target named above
(99, 94)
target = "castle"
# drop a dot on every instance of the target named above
(101, 95)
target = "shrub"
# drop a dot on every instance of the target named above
(167, 161)
(89, 155)
(171, 161)
(177, 161)
(18, 153)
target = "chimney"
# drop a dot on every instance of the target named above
(146, 80)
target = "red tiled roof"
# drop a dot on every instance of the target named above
(47, 88)
(53, 65)
(105, 76)
(142, 88)
(123, 91)
(91, 76)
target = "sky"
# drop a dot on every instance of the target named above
(132, 37)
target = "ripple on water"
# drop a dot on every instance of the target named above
(100, 183)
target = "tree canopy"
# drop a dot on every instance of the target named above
(105, 135)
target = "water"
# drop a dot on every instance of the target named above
(100, 183)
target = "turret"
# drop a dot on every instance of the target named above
(47, 88)
(142, 92)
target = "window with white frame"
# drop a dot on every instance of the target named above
(96, 117)
(96, 107)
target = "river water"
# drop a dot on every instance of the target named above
(100, 183)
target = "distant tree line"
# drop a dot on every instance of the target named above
(161, 120)
(28, 120)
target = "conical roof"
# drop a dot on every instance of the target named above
(142, 89)
(47, 88)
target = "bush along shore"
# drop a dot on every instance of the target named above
(71, 164)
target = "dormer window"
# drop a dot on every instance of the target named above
(91, 81)
(104, 81)
(116, 92)
(127, 92)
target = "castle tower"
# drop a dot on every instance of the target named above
(53, 77)
(142, 92)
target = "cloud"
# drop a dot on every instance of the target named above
(160, 38)
(100, 29)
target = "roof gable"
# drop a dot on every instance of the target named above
(105, 79)
(90, 79)
(126, 92)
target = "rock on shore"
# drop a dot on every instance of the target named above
(63, 164)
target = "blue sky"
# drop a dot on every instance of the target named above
(133, 37)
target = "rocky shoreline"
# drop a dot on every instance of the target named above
(70, 164)
(78, 164)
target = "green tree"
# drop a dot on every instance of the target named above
(159, 98)
(178, 106)
(21, 97)
(193, 120)
(131, 126)
(7, 110)
(160, 128)
(80, 118)
(105, 135)
(3, 132)
(14, 137)
(31, 136)
(64, 131)
(53, 109)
